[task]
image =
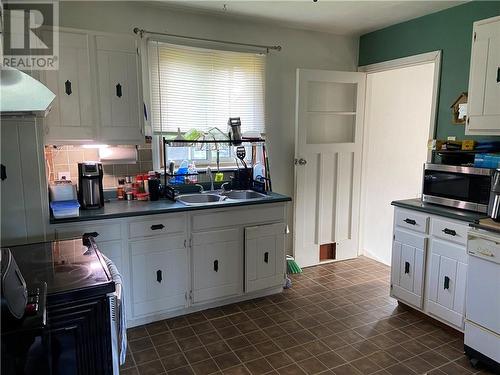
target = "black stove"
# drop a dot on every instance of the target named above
(71, 268)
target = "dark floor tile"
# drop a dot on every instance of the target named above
(147, 355)
(256, 337)
(227, 360)
(237, 342)
(399, 369)
(349, 353)
(229, 332)
(136, 333)
(365, 365)
(151, 368)
(292, 369)
(346, 370)
(197, 355)
(454, 369)
(178, 322)
(129, 371)
(418, 364)
(248, 353)
(174, 361)
(400, 353)
(330, 359)
(312, 365)
(237, 370)
(298, 353)
(217, 348)
(209, 337)
(189, 343)
(168, 349)
(278, 360)
(186, 370)
(205, 367)
(449, 352)
(162, 338)
(247, 327)
(259, 366)
(267, 347)
(182, 333)
(156, 327)
(140, 344)
(195, 318)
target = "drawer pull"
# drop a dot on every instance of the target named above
(67, 87)
(157, 226)
(451, 232)
(266, 257)
(216, 265)
(159, 276)
(407, 267)
(119, 93)
(410, 221)
(446, 282)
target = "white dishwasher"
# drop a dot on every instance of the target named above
(482, 317)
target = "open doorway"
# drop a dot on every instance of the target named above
(399, 120)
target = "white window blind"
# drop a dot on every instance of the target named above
(201, 88)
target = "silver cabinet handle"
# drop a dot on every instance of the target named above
(300, 161)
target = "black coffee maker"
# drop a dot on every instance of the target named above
(90, 191)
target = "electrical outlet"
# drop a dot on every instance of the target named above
(63, 175)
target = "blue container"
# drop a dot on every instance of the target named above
(487, 161)
(64, 209)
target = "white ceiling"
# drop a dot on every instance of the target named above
(338, 17)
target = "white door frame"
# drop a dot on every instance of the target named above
(415, 60)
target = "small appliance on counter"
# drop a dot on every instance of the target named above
(466, 188)
(494, 205)
(90, 189)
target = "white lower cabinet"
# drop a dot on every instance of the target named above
(177, 263)
(408, 264)
(217, 264)
(264, 256)
(447, 279)
(159, 268)
(429, 265)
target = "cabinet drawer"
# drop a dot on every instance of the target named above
(411, 220)
(158, 226)
(449, 230)
(107, 232)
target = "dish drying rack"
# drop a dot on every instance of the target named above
(262, 185)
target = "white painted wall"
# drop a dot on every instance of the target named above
(301, 49)
(398, 115)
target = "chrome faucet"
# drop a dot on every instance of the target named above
(211, 177)
(200, 187)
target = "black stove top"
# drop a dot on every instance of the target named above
(71, 268)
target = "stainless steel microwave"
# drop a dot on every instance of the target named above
(467, 188)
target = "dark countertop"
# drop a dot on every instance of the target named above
(117, 209)
(452, 213)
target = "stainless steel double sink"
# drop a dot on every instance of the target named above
(217, 197)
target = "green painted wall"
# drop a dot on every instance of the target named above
(450, 31)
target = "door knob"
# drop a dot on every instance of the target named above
(300, 161)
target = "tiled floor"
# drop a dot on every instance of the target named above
(337, 319)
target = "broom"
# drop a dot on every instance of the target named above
(292, 266)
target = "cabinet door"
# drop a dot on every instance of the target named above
(484, 79)
(264, 256)
(120, 109)
(217, 264)
(159, 274)
(408, 264)
(72, 117)
(447, 279)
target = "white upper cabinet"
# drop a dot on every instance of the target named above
(72, 114)
(119, 94)
(98, 90)
(484, 79)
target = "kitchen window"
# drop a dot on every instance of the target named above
(201, 88)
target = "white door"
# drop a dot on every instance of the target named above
(484, 79)
(217, 264)
(407, 269)
(264, 256)
(447, 280)
(121, 108)
(329, 118)
(72, 117)
(159, 274)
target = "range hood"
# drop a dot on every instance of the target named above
(22, 95)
